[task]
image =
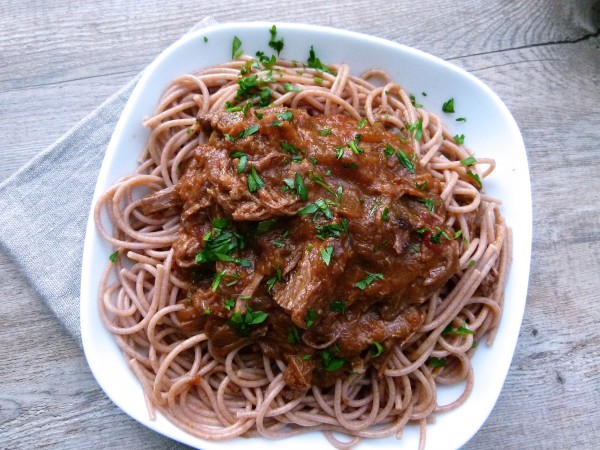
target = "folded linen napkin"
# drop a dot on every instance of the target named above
(44, 207)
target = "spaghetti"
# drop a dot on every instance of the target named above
(244, 393)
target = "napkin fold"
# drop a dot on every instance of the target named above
(44, 207)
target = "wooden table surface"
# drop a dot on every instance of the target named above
(60, 59)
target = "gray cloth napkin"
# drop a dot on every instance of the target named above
(45, 205)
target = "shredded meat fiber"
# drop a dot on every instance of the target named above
(315, 237)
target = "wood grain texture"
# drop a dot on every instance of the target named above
(59, 60)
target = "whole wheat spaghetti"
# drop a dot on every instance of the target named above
(245, 394)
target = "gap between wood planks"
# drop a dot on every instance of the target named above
(583, 38)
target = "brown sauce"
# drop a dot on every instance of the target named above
(323, 257)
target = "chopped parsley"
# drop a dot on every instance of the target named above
(305, 356)
(221, 244)
(267, 63)
(326, 254)
(300, 187)
(286, 116)
(236, 50)
(468, 161)
(315, 63)
(205, 39)
(471, 263)
(250, 87)
(242, 323)
(459, 139)
(229, 303)
(376, 204)
(216, 281)
(362, 123)
(254, 180)
(331, 363)
(316, 208)
(333, 230)
(291, 88)
(385, 215)
(416, 129)
(264, 226)
(289, 148)
(475, 177)
(448, 106)
(243, 160)
(248, 131)
(414, 248)
(311, 316)
(436, 238)
(325, 132)
(421, 186)
(414, 101)
(437, 362)
(428, 202)
(354, 145)
(274, 279)
(457, 234)
(319, 180)
(337, 306)
(275, 44)
(339, 151)
(114, 257)
(377, 349)
(279, 243)
(461, 119)
(405, 160)
(362, 285)
(293, 337)
(389, 150)
(461, 330)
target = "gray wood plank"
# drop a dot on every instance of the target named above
(59, 60)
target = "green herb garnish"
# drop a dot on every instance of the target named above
(229, 303)
(276, 45)
(330, 362)
(254, 180)
(377, 349)
(315, 63)
(475, 177)
(243, 160)
(405, 160)
(114, 257)
(416, 129)
(291, 88)
(293, 337)
(468, 161)
(448, 106)
(316, 208)
(354, 145)
(337, 306)
(264, 226)
(248, 131)
(236, 51)
(385, 215)
(242, 323)
(311, 316)
(437, 362)
(362, 285)
(326, 254)
(428, 202)
(459, 139)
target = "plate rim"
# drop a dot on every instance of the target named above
(124, 118)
